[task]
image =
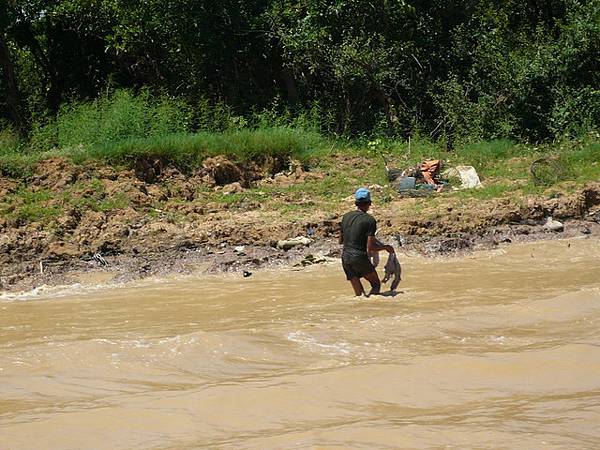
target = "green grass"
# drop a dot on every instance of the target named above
(185, 151)
(582, 159)
(10, 143)
(121, 127)
(30, 206)
(114, 117)
(14, 158)
(484, 193)
(92, 196)
(484, 156)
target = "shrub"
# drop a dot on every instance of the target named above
(114, 117)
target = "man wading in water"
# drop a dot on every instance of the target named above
(358, 236)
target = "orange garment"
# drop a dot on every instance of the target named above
(429, 169)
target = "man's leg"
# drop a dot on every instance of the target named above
(373, 279)
(357, 286)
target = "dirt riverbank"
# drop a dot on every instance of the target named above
(65, 219)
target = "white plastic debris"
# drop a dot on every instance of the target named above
(468, 176)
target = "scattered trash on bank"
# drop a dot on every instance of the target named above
(420, 180)
(100, 259)
(427, 177)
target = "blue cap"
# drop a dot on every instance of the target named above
(362, 195)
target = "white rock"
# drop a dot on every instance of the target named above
(286, 244)
(553, 225)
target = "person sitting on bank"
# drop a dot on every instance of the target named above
(357, 235)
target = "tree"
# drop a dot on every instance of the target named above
(354, 50)
(9, 79)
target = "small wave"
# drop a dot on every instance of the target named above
(595, 289)
(39, 292)
(307, 341)
(44, 291)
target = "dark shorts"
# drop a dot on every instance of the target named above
(357, 267)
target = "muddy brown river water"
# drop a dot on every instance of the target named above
(497, 350)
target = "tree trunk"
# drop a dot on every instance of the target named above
(51, 81)
(290, 85)
(390, 115)
(13, 97)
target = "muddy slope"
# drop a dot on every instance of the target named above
(154, 219)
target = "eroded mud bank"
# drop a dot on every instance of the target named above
(154, 219)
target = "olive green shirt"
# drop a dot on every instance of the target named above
(357, 226)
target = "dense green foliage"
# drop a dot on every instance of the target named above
(447, 69)
(121, 128)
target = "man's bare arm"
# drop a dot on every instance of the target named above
(373, 245)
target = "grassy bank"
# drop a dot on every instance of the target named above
(185, 151)
(503, 166)
(122, 128)
(501, 160)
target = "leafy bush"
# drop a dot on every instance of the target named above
(576, 111)
(10, 143)
(120, 115)
(13, 157)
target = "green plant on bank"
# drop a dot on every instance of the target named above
(14, 158)
(186, 151)
(9, 141)
(582, 157)
(118, 201)
(121, 127)
(30, 206)
(43, 205)
(376, 147)
(91, 195)
(112, 118)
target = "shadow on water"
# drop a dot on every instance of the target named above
(389, 293)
